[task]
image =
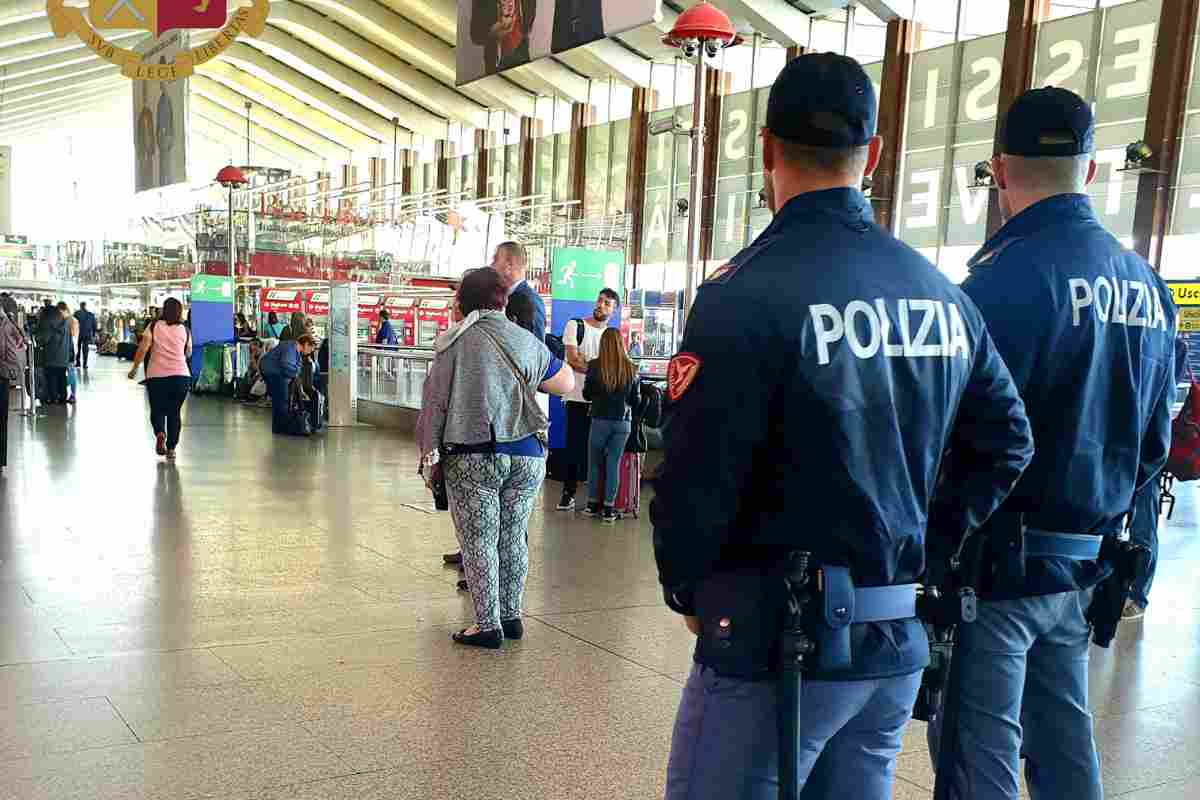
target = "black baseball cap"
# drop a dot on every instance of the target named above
(1048, 122)
(824, 100)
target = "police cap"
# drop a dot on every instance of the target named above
(823, 100)
(1048, 122)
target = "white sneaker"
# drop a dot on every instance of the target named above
(1132, 610)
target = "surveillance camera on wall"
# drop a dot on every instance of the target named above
(664, 125)
(681, 205)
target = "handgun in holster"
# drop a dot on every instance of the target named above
(947, 604)
(1128, 561)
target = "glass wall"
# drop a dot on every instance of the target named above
(503, 155)
(551, 149)
(952, 101)
(1107, 57)
(1181, 246)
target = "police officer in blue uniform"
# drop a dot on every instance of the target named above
(820, 378)
(1086, 329)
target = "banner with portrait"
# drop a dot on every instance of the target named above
(496, 35)
(160, 118)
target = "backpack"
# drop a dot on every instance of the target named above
(555, 343)
(652, 405)
(1184, 459)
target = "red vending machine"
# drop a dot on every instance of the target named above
(403, 313)
(433, 317)
(368, 316)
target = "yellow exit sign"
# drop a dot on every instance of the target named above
(1185, 294)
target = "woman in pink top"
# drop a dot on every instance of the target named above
(167, 343)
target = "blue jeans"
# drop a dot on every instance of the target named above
(605, 448)
(1025, 693)
(725, 745)
(1145, 531)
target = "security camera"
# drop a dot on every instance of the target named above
(661, 126)
(681, 206)
(762, 198)
(689, 47)
(711, 48)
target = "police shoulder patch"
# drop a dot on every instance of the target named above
(988, 257)
(681, 373)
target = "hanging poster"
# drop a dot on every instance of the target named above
(6, 222)
(160, 118)
(495, 35)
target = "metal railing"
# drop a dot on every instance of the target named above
(392, 375)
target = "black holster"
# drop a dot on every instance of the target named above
(1128, 561)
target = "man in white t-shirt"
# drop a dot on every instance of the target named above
(579, 422)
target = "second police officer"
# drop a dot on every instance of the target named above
(817, 387)
(1087, 329)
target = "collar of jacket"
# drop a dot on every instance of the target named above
(1044, 213)
(846, 204)
(451, 335)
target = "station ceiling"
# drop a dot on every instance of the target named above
(329, 76)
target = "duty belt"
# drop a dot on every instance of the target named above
(884, 603)
(1054, 544)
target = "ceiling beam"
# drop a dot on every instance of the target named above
(349, 82)
(776, 19)
(276, 73)
(68, 84)
(81, 103)
(236, 123)
(373, 62)
(29, 30)
(22, 106)
(430, 53)
(76, 70)
(55, 60)
(272, 120)
(316, 120)
(219, 133)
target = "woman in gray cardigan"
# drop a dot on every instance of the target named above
(482, 426)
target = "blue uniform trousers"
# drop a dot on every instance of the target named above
(277, 388)
(1024, 693)
(1145, 531)
(725, 745)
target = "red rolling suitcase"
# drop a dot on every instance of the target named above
(629, 495)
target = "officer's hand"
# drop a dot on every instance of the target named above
(693, 625)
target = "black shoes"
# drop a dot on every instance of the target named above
(609, 515)
(463, 587)
(490, 640)
(591, 510)
(567, 502)
(513, 628)
(452, 558)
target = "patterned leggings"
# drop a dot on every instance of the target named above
(491, 498)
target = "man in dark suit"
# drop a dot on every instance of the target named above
(502, 28)
(87, 332)
(511, 261)
(576, 22)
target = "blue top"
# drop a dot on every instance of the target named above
(827, 365)
(87, 324)
(385, 335)
(530, 446)
(539, 307)
(276, 329)
(1087, 329)
(283, 360)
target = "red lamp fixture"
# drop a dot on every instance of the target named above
(703, 23)
(231, 177)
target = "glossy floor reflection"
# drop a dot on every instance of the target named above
(268, 619)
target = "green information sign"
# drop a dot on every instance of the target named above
(577, 273)
(212, 289)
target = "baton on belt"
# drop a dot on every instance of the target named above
(795, 647)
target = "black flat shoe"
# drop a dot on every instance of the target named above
(490, 640)
(452, 558)
(463, 587)
(513, 628)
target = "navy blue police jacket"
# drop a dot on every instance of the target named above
(1087, 330)
(833, 361)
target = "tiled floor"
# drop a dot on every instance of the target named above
(269, 619)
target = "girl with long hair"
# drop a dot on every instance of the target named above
(168, 375)
(612, 387)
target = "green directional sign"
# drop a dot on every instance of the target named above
(212, 289)
(577, 273)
